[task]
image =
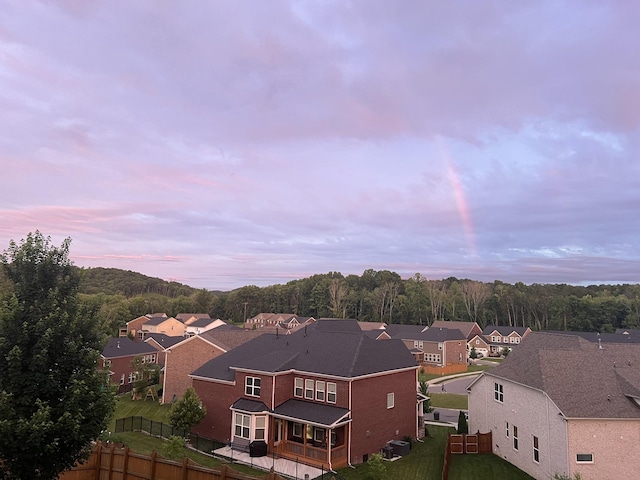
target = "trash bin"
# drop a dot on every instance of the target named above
(436, 415)
(257, 448)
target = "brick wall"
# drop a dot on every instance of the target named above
(182, 360)
(373, 424)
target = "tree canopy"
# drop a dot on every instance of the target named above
(53, 399)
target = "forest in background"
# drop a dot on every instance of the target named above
(113, 297)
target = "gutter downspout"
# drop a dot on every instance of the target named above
(164, 378)
(350, 423)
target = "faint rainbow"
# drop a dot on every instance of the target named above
(461, 200)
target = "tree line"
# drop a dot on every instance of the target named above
(113, 297)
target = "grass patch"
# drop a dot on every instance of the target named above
(125, 407)
(472, 467)
(425, 461)
(449, 400)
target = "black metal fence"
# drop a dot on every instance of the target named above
(164, 430)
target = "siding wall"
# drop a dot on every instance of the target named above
(533, 413)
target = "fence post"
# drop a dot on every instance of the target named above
(185, 463)
(98, 456)
(111, 452)
(125, 465)
(223, 472)
(154, 455)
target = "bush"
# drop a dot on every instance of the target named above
(376, 469)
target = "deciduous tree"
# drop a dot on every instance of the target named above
(53, 399)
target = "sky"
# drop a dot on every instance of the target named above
(229, 143)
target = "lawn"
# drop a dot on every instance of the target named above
(449, 400)
(125, 407)
(426, 460)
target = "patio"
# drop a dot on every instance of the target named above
(281, 466)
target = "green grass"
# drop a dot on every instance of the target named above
(449, 400)
(125, 407)
(424, 462)
(474, 467)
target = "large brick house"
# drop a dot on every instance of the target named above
(117, 356)
(564, 404)
(326, 395)
(185, 356)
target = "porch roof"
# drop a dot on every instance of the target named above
(249, 406)
(326, 416)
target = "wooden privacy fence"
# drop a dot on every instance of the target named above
(458, 444)
(112, 463)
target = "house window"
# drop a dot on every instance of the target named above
(390, 400)
(584, 458)
(495, 339)
(331, 392)
(515, 437)
(512, 340)
(320, 391)
(498, 392)
(477, 342)
(252, 386)
(432, 357)
(261, 423)
(318, 435)
(297, 430)
(507, 429)
(517, 339)
(440, 346)
(308, 389)
(297, 389)
(122, 379)
(242, 425)
(536, 450)
(132, 377)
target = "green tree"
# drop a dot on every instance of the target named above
(53, 399)
(463, 426)
(376, 469)
(187, 412)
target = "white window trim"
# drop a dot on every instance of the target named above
(391, 400)
(516, 440)
(498, 392)
(250, 387)
(320, 390)
(332, 390)
(300, 388)
(260, 419)
(309, 389)
(584, 461)
(535, 441)
(242, 417)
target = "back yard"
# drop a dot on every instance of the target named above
(424, 462)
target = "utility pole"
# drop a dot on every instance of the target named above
(245, 312)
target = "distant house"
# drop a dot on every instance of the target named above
(186, 355)
(133, 327)
(435, 347)
(562, 404)
(188, 318)
(169, 326)
(468, 329)
(161, 342)
(501, 337)
(327, 395)
(117, 356)
(201, 325)
(480, 344)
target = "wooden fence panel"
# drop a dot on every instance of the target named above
(485, 442)
(470, 443)
(457, 444)
(111, 463)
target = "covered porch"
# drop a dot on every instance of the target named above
(311, 433)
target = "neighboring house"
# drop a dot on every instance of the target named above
(366, 326)
(133, 327)
(442, 347)
(480, 344)
(327, 395)
(501, 337)
(561, 404)
(169, 326)
(188, 354)
(117, 356)
(188, 318)
(468, 329)
(201, 325)
(161, 342)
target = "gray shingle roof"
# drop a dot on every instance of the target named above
(163, 340)
(584, 379)
(249, 406)
(319, 414)
(124, 347)
(328, 347)
(415, 332)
